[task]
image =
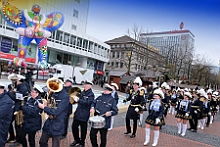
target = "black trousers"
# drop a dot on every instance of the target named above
(193, 122)
(11, 129)
(75, 131)
(103, 135)
(18, 130)
(66, 125)
(45, 137)
(208, 120)
(128, 126)
(31, 138)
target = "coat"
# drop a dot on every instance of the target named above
(56, 126)
(82, 112)
(6, 112)
(103, 104)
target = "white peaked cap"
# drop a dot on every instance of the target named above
(115, 85)
(209, 91)
(202, 92)
(188, 94)
(138, 81)
(155, 85)
(159, 92)
(186, 89)
(167, 87)
(143, 88)
(163, 85)
(215, 93)
(38, 88)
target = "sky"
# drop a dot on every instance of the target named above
(109, 19)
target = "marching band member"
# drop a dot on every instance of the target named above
(203, 98)
(144, 106)
(206, 112)
(195, 111)
(115, 96)
(82, 114)
(54, 126)
(166, 98)
(67, 86)
(183, 113)
(155, 117)
(214, 108)
(32, 118)
(6, 112)
(173, 102)
(103, 105)
(137, 102)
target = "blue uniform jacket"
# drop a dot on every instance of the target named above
(82, 112)
(70, 109)
(56, 126)
(32, 117)
(103, 104)
(6, 112)
(23, 89)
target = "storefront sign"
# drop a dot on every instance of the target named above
(11, 56)
(99, 72)
(6, 44)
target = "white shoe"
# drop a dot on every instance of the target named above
(179, 132)
(109, 129)
(199, 127)
(146, 142)
(154, 144)
(210, 123)
(202, 128)
(183, 134)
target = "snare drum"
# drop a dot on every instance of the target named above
(97, 122)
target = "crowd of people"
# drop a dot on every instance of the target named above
(48, 109)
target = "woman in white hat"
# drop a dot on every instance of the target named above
(183, 113)
(155, 117)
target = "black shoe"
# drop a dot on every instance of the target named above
(63, 136)
(132, 136)
(79, 145)
(189, 129)
(127, 133)
(207, 125)
(74, 143)
(15, 144)
(194, 131)
(10, 140)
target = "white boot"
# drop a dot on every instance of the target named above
(170, 109)
(199, 123)
(147, 137)
(179, 128)
(140, 120)
(112, 122)
(203, 123)
(184, 130)
(173, 110)
(211, 119)
(156, 137)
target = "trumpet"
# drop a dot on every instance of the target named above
(54, 85)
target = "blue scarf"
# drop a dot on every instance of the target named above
(184, 103)
(155, 105)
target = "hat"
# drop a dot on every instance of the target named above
(115, 85)
(178, 89)
(209, 91)
(159, 92)
(108, 87)
(155, 85)
(38, 88)
(186, 90)
(2, 86)
(167, 87)
(21, 78)
(163, 85)
(69, 80)
(188, 94)
(138, 81)
(215, 93)
(88, 82)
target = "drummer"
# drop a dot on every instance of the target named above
(105, 106)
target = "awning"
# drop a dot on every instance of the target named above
(117, 73)
(125, 79)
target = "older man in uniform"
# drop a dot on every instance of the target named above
(104, 105)
(82, 114)
(6, 112)
(136, 97)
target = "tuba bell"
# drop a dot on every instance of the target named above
(13, 78)
(53, 85)
(75, 94)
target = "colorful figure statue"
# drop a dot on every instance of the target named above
(32, 25)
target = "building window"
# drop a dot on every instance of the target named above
(75, 13)
(122, 55)
(73, 27)
(113, 54)
(118, 54)
(121, 65)
(116, 65)
(113, 64)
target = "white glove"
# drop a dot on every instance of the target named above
(195, 112)
(210, 113)
(187, 114)
(157, 121)
(217, 107)
(76, 99)
(136, 109)
(210, 108)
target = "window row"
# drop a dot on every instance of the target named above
(116, 64)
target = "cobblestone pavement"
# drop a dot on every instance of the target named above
(209, 137)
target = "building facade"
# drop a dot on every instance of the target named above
(129, 56)
(68, 45)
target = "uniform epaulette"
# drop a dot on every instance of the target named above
(151, 92)
(141, 92)
(131, 91)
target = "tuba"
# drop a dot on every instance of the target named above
(13, 78)
(75, 94)
(53, 85)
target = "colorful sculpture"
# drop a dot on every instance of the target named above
(31, 25)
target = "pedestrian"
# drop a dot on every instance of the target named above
(155, 117)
